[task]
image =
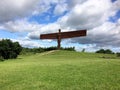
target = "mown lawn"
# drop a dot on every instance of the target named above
(61, 70)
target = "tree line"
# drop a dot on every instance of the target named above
(108, 51)
(43, 49)
(10, 50)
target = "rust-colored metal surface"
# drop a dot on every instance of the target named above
(59, 39)
(49, 36)
(62, 35)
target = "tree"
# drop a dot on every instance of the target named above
(107, 51)
(9, 49)
(118, 54)
(100, 51)
(83, 50)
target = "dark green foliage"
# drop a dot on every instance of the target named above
(26, 51)
(100, 51)
(107, 51)
(118, 54)
(83, 50)
(50, 48)
(69, 49)
(1, 58)
(9, 49)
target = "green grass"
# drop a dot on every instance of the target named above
(61, 70)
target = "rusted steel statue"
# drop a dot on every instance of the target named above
(62, 35)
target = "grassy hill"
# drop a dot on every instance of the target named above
(61, 70)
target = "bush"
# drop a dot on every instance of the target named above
(83, 50)
(118, 54)
(69, 49)
(1, 58)
(107, 51)
(9, 49)
(27, 51)
(50, 48)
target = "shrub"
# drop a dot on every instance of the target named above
(83, 50)
(118, 54)
(27, 51)
(1, 58)
(9, 49)
(69, 49)
(50, 48)
(107, 51)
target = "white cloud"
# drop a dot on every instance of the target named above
(28, 43)
(60, 9)
(92, 15)
(87, 15)
(33, 29)
(12, 9)
(44, 29)
(21, 26)
(105, 35)
(73, 3)
(116, 5)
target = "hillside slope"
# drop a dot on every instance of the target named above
(61, 70)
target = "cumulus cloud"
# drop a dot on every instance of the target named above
(87, 15)
(44, 29)
(28, 43)
(105, 35)
(21, 26)
(60, 9)
(92, 15)
(12, 9)
(33, 29)
(116, 5)
(73, 3)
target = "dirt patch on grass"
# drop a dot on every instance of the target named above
(49, 52)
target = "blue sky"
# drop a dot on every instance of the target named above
(25, 20)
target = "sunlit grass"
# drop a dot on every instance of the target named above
(61, 70)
